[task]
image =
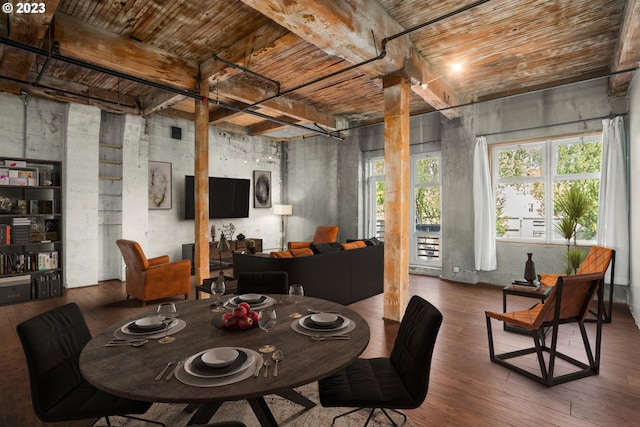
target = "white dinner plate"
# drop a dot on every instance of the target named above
(233, 303)
(323, 329)
(249, 361)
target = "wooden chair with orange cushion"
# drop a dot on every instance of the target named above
(153, 278)
(568, 302)
(597, 261)
(323, 234)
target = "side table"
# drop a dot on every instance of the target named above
(541, 294)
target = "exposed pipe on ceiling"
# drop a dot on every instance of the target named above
(380, 56)
(153, 84)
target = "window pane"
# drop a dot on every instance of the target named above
(380, 210)
(584, 157)
(427, 170)
(520, 210)
(377, 167)
(520, 162)
(428, 209)
(587, 227)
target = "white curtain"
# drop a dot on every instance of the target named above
(484, 209)
(613, 209)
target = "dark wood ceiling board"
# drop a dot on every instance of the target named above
(627, 51)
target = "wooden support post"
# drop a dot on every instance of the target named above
(201, 186)
(397, 196)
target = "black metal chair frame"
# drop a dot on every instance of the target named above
(547, 372)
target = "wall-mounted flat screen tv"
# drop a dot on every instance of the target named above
(228, 197)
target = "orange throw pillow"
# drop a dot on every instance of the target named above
(353, 245)
(298, 245)
(299, 253)
(283, 254)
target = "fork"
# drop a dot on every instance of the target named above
(329, 337)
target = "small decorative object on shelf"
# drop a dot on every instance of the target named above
(529, 269)
(240, 236)
(229, 230)
(251, 246)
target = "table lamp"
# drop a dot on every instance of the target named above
(283, 211)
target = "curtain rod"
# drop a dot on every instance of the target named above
(552, 125)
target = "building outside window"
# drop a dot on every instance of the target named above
(528, 179)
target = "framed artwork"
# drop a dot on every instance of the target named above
(159, 185)
(261, 189)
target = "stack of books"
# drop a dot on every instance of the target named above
(523, 285)
(47, 285)
(21, 231)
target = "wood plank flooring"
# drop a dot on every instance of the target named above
(466, 389)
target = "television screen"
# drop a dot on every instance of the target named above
(228, 197)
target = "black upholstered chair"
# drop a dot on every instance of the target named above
(398, 382)
(52, 343)
(264, 282)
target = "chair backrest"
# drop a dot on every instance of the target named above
(326, 234)
(596, 261)
(573, 294)
(414, 344)
(52, 343)
(133, 255)
(267, 282)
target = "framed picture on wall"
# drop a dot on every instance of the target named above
(261, 189)
(159, 185)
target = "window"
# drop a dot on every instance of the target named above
(376, 197)
(426, 218)
(529, 177)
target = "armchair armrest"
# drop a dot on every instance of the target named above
(163, 259)
(298, 245)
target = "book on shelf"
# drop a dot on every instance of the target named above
(522, 285)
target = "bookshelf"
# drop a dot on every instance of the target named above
(31, 246)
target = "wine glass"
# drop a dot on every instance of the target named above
(217, 290)
(169, 312)
(267, 320)
(296, 292)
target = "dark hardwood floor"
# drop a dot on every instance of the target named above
(466, 389)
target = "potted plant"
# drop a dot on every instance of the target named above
(573, 204)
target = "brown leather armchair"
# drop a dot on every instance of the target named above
(154, 278)
(323, 234)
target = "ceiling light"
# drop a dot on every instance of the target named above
(456, 67)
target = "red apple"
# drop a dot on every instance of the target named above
(245, 323)
(253, 315)
(245, 305)
(240, 312)
(231, 322)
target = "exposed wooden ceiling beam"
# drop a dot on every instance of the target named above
(279, 106)
(627, 53)
(92, 44)
(267, 126)
(352, 31)
(28, 28)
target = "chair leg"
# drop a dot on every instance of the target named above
(404, 417)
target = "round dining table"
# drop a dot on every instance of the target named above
(131, 372)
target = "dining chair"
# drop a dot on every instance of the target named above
(52, 343)
(264, 282)
(400, 381)
(568, 302)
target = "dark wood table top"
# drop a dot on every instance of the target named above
(130, 371)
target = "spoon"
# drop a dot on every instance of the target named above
(278, 355)
(123, 343)
(329, 337)
(267, 363)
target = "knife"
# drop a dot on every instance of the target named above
(259, 363)
(173, 371)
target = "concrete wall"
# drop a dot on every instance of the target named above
(634, 135)
(58, 131)
(566, 110)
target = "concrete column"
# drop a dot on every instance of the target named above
(80, 196)
(397, 196)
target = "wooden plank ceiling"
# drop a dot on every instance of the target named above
(290, 68)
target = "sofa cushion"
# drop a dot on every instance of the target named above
(302, 252)
(323, 248)
(298, 245)
(283, 254)
(353, 245)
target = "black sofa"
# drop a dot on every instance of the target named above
(344, 276)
